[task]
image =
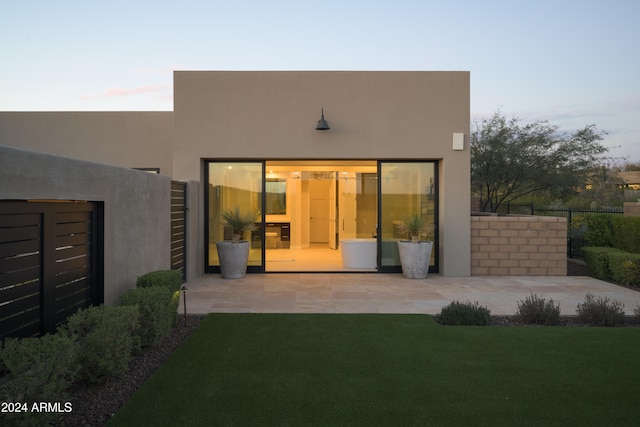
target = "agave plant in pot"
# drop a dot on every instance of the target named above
(415, 254)
(234, 254)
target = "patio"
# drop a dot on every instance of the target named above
(389, 293)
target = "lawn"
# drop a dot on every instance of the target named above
(390, 370)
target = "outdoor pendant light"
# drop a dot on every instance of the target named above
(322, 123)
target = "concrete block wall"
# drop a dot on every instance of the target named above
(632, 208)
(518, 246)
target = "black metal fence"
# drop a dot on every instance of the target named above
(575, 221)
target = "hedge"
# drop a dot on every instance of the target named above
(625, 268)
(617, 231)
(157, 312)
(625, 233)
(38, 368)
(597, 258)
(614, 248)
(599, 230)
(95, 343)
(106, 338)
(168, 278)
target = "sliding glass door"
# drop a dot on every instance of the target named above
(232, 185)
(289, 198)
(406, 189)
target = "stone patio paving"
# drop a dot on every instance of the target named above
(388, 293)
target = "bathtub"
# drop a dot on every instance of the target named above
(359, 253)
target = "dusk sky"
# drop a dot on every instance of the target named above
(571, 62)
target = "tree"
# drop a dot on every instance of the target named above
(510, 160)
(631, 167)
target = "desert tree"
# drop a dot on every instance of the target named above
(511, 159)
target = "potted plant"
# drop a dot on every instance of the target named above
(414, 253)
(234, 254)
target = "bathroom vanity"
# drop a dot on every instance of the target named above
(277, 235)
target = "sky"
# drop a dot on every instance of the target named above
(569, 62)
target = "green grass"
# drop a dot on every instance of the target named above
(390, 370)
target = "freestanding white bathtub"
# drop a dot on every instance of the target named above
(358, 253)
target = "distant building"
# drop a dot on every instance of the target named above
(631, 179)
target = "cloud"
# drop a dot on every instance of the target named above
(117, 92)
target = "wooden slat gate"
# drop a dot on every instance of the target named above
(50, 263)
(178, 226)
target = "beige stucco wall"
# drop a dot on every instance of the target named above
(129, 139)
(373, 115)
(136, 208)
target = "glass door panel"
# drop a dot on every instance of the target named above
(406, 189)
(322, 204)
(234, 185)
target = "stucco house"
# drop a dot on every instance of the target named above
(395, 145)
(631, 179)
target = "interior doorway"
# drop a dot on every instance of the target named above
(320, 211)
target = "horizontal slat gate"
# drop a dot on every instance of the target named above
(50, 264)
(20, 272)
(178, 226)
(72, 271)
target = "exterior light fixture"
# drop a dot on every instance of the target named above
(184, 298)
(458, 141)
(322, 123)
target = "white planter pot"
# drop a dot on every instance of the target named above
(233, 257)
(414, 258)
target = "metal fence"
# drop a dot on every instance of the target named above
(575, 221)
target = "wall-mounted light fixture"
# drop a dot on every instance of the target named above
(458, 141)
(322, 123)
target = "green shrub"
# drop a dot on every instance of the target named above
(464, 313)
(597, 259)
(106, 339)
(626, 233)
(601, 311)
(38, 369)
(536, 310)
(171, 279)
(625, 268)
(599, 229)
(157, 312)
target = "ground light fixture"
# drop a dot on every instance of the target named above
(322, 123)
(184, 299)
